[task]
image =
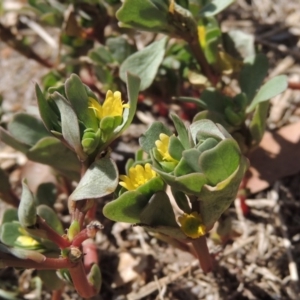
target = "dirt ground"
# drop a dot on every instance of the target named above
(262, 258)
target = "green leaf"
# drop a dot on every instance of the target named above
(253, 73)
(258, 122)
(9, 233)
(46, 194)
(239, 44)
(191, 157)
(143, 14)
(214, 100)
(119, 48)
(51, 218)
(126, 208)
(50, 279)
(220, 162)
(214, 7)
(203, 129)
(27, 129)
(269, 90)
(8, 139)
(181, 200)
(27, 207)
(158, 211)
(10, 215)
(175, 148)
(190, 183)
(215, 200)
(174, 232)
(95, 278)
(147, 140)
(69, 124)
(145, 63)
(101, 55)
(100, 179)
(47, 114)
(77, 94)
(133, 88)
(50, 151)
(182, 131)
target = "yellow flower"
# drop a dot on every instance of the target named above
(137, 176)
(26, 241)
(192, 225)
(162, 146)
(111, 107)
(202, 36)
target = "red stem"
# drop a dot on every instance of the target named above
(203, 254)
(49, 263)
(81, 284)
(52, 235)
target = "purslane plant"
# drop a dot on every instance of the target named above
(201, 164)
(74, 123)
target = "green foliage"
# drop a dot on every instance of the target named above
(202, 164)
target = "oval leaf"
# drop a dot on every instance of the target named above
(145, 63)
(100, 179)
(269, 90)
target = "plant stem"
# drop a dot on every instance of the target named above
(52, 235)
(7, 260)
(81, 284)
(200, 57)
(203, 254)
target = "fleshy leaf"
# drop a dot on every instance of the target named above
(145, 63)
(46, 194)
(50, 217)
(10, 215)
(214, 7)
(144, 14)
(69, 124)
(220, 162)
(52, 152)
(269, 90)
(158, 211)
(100, 179)
(181, 200)
(182, 131)
(126, 208)
(258, 122)
(8, 139)
(27, 207)
(148, 139)
(253, 73)
(215, 200)
(78, 97)
(95, 278)
(47, 114)
(50, 279)
(27, 129)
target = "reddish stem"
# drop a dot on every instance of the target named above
(81, 284)
(89, 249)
(49, 263)
(52, 235)
(203, 254)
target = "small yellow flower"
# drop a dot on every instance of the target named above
(27, 241)
(192, 225)
(162, 146)
(202, 36)
(111, 107)
(137, 176)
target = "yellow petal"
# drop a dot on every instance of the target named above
(138, 175)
